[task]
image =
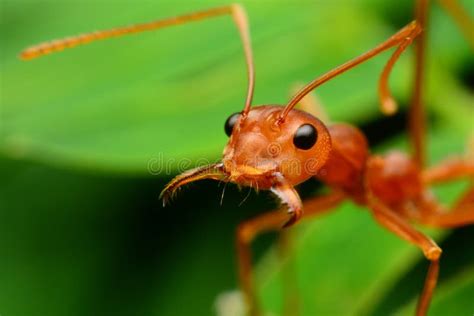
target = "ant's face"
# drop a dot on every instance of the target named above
(261, 149)
(263, 152)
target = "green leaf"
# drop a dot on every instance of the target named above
(81, 242)
(119, 104)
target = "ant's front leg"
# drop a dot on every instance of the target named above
(246, 233)
(272, 221)
(290, 294)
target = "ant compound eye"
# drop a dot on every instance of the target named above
(305, 136)
(229, 124)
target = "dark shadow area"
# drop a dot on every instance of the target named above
(383, 128)
(395, 13)
(112, 234)
(156, 238)
(465, 73)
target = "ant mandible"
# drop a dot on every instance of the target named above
(275, 148)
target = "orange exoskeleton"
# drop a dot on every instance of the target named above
(273, 147)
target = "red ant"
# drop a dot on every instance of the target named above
(275, 148)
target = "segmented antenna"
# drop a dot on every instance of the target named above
(69, 42)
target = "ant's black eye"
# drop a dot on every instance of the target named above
(229, 124)
(305, 136)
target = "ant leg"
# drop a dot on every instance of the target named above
(311, 104)
(393, 222)
(289, 288)
(448, 170)
(461, 18)
(312, 207)
(430, 212)
(416, 117)
(246, 233)
(236, 11)
(466, 199)
(250, 229)
(435, 215)
(416, 121)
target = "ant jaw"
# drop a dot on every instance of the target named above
(241, 175)
(289, 197)
(262, 177)
(213, 171)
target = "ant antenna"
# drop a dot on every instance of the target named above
(236, 11)
(403, 38)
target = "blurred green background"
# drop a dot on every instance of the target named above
(82, 231)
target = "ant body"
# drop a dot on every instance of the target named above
(275, 148)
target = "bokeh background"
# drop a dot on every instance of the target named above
(82, 230)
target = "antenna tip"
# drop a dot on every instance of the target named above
(389, 107)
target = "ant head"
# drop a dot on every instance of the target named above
(264, 150)
(263, 147)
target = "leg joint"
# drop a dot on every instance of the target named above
(245, 233)
(433, 253)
